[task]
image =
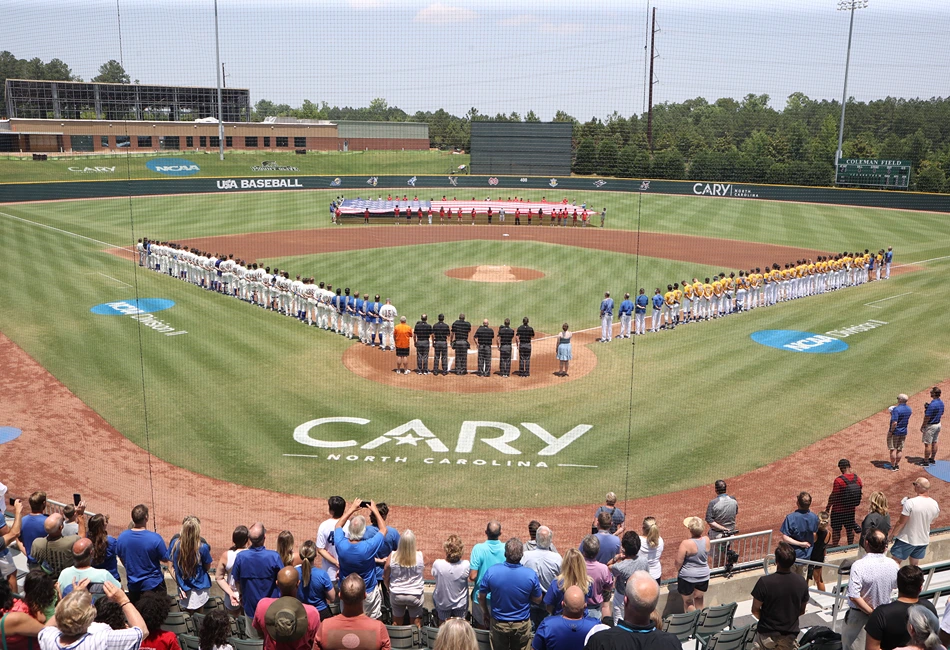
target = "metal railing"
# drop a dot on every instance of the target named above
(750, 549)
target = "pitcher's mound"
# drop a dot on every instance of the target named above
(487, 273)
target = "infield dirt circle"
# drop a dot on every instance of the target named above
(494, 273)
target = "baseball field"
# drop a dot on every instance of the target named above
(251, 398)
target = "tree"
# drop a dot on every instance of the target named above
(112, 72)
(607, 158)
(633, 162)
(531, 117)
(586, 159)
(669, 164)
(930, 177)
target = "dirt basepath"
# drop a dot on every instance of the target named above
(66, 447)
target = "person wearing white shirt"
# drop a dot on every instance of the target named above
(544, 561)
(325, 546)
(911, 535)
(870, 584)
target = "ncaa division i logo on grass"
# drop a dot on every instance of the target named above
(796, 341)
(140, 310)
(173, 166)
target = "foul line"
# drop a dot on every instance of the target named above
(114, 279)
(554, 336)
(932, 259)
(868, 304)
(570, 465)
(65, 232)
(303, 455)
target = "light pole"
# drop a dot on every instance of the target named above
(846, 5)
(217, 53)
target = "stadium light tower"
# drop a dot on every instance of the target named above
(217, 53)
(846, 5)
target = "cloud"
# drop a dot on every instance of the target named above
(441, 14)
(367, 4)
(562, 28)
(541, 24)
(519, 20)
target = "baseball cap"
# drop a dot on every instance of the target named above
(286, 620)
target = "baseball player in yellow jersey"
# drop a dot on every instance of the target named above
(707, 299)
(687, 301)
(729, 291)
(698, 299)
(677, 303)
(879, 259)
(742, 290)
(767, 286)
(776, 275)
(716, 298)
(666, 318)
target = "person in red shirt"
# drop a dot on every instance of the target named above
(366, 216)
(154, 608)
(844, 498)
(285, 623)
(352, 630)
(396, 215)
(473, 216)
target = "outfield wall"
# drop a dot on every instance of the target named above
(479, 186)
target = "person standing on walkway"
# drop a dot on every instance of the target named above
(845, 497)
(505, 336)
(525, 334)
(484, 336)
(897, 431)
(440, 346)
(933, 413)
(460, 332)
(422, 333)
(564, 355)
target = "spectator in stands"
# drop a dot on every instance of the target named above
(223, 572)
(74, 616)
(872, 579)
(598, 602)
(484, 556)
(912, 532)
(389, 545)
(569, 630)
(215, 631)
(285, 547)
(404, 579)
(923, 627)
(358, 554)
(721, 512)
(353, 628)
(531, 544)
(154, 608)
(651, 547)
(450, 597)
(886, 628)
(456, 634)
(616, 514)
(638, 630)
(285, 623)
(315, 586)
(930, 428)
(778, 600)
(70, 526)
(32, 526)
(104, 554)
(798, 530)
(111, 614)
(9, 534)
(609, 543)
(692, 565)
(513, 587)
(142, 553)
(822, 536)
(544, 561)
(877, 519)
(191, 563)
(325, 547)
(573, 573)
(39, 594)
(624, 566)
(55, 552)
(845, 497)
(255, 571)
(19, 625)
(81, 569)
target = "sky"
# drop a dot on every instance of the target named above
(586, 58)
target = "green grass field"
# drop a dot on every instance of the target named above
(225, 398)
(236, 163)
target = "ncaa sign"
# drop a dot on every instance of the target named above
(173, 166)
(132, 307)
(795, 341)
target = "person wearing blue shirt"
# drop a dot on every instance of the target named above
(191, 561)
(142, 552)
(255, 571)
(640, 312)
(359, 315)
(391, 540)
(357, 554)
(372, 314)
(897, 431)
(626, 316)
(512, 587)
(933, 413)
(657, 310)
(606, 318)
(336, 317)
(888, 258)
(799, 530)
(315, 586)
(483, 557)
(33, 526)
(569, 630)
(609, 543)
(103, 546)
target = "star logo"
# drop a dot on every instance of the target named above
(407, 439)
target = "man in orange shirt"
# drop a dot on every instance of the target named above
(353, 629)
(402, 334)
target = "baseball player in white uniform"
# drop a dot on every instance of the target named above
(388, 314)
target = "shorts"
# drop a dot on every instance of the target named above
(685, 587)
(7, 567)
(402, 352)
(902, 550)
(895, 442)
(373, 605)
(402, 602)
(446, 614)
(931, 433)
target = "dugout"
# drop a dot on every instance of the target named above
(521, 148)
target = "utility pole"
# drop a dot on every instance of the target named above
(217, 52)
(650, 105)
(224, 77)
(846, 5)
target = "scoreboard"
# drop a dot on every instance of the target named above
(864, 172)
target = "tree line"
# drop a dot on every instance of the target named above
(729, 140)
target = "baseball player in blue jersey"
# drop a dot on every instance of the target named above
(640, 315)
(606, 318)
(626, 316)
(657, 310)
(359, 315)
(888, 258)
(338, 302)
(372, 312)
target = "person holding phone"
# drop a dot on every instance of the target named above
(358, 555)
(7, 535)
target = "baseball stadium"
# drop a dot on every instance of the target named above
(503, 328)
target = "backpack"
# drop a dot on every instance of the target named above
(851, 497)
(821, 638)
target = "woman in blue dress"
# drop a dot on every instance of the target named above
(564, 350)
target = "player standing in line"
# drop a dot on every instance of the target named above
(296, 297)
(606, 318)
(626, 316)
(729, 286)
(525, 334)
(879, 258)
(374, 322)
(707, 299)
(741, 291)
(677, 303)
(657, 315)
(687, 301)
(666, 316)
(359, 316)
(640, 312)
(716, 301)
(888, 259)
(505, 336)
(388, 314)
(336, 314)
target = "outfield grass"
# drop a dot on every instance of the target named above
(225, 398)
(235, 163)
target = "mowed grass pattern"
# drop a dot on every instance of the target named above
(225, 398)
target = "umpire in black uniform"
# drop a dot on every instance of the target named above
(484, 336)
(440, 345)
(505, 336)
(421, 334)
(460, 331)
(525, 334)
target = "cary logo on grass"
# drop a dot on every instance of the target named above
(795, 341)
(132, 307)
(173, 166)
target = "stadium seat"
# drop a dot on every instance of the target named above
(246, 644)
(196, 621)
(681, 625)
(214, 602)
(428, 636)
(188, 641)
(728, 639)
(401, 636)
(484, 639)
(178, 623)
(712, 620)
